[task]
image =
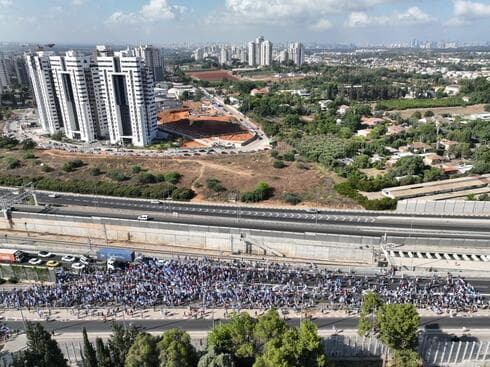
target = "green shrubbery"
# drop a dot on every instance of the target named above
(262, 192)
(156, 191)
(95, 171)
(278, 164)
(118, 176)
(348, 190)
(183, 194)
(71, 166)
(13, 163)
(214, 185)
(292, 198)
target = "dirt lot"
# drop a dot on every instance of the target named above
(478, 108)
(212, 75)
(235, 172)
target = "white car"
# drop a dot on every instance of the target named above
(44, 254)
(78, 266)
(143, 217)
(52, 196)
(313, 211)
(35, 261)
(84, 260)
(68, 258)
(155, 202)
(111, 263)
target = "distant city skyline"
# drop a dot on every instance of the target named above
(164, 22)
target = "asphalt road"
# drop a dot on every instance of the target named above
(347, 323)
(282, 219)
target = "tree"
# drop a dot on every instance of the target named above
(102, 354)
(89, 354)
(296, 347)
(175, 349)
(143, 352)
(119, 343)
(406, 358)
(235, 338)
(269, 326)
(41, 351)
(211, 359)
(408, 166)
(370, 303)
(398, 325)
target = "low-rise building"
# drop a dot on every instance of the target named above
(456, 185)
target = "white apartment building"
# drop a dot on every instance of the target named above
(224, 57)
(251, 54)
(128, 97)
(48, 107)
(260, 52)
(74, 85)
(153, 60)
(297, 53)
(266, 53)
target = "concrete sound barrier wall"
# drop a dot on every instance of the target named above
(324, 247)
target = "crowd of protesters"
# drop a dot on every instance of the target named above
(237, 284)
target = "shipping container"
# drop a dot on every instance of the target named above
(12, 256)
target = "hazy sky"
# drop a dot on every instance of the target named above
(169, 21)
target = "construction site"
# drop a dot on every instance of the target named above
(203, 124)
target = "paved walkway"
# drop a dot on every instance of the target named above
(108, 314)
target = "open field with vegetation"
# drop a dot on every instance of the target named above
(220, 178)
(459, 110)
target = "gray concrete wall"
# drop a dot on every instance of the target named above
(354, 249)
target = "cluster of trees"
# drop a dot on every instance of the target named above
(262, 192)
(396, 325)
(161, 190)
(242, 342)
(477, 89)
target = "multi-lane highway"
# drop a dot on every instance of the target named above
(254, 217)
(345, 323)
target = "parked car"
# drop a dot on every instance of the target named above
(44, 254)
(68, 258)
(52, 264)
(78, 266)
(85, 260)
(35, 261)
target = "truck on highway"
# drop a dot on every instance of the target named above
(119, 254)
(12, 256)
